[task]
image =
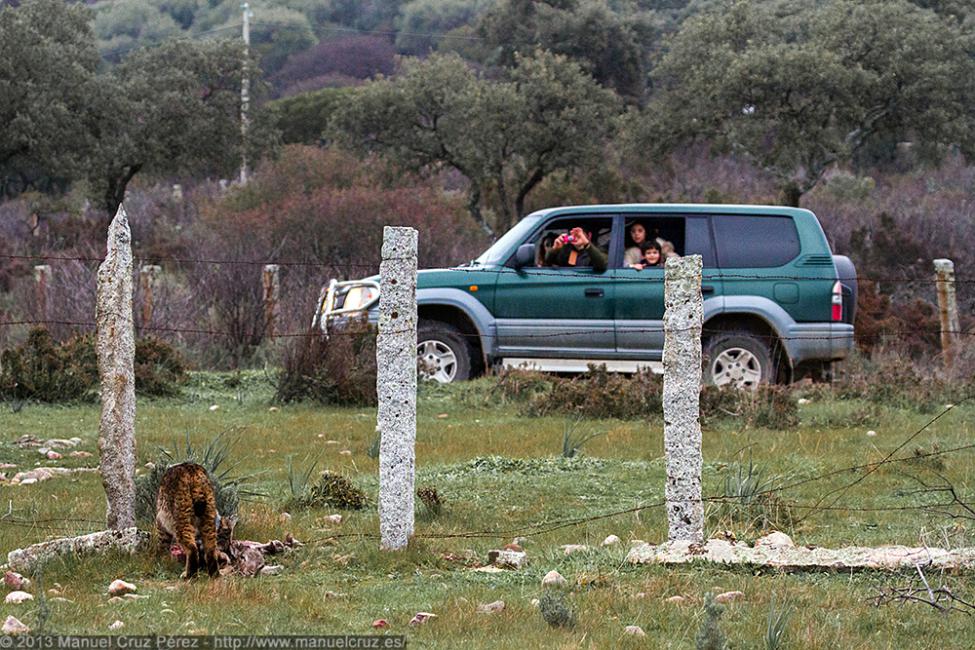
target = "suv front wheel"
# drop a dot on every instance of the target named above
(738, 359)
(442, 352)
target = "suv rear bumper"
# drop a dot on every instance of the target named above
(818, 341)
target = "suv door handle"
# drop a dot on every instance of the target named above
(706, 288)
(594, 293)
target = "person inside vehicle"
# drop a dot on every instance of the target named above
(544, 247)
(632, 255)
(575, 249)
(651, 256)
(666, 250)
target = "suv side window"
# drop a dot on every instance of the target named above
(754, 241)
(599, 229)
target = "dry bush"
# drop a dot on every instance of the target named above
(339, 369)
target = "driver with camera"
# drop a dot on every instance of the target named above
(575, 249)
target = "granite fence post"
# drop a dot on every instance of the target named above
(116, 359)
(396, 385)
(683, 319)
(948, 309)
(271, 282)
(148, 276)
(42, 282)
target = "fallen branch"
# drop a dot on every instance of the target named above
(128, 540)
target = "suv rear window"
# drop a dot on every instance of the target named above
(754, 242)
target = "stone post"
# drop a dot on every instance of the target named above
(42, 281)
(683, 318)
(271, 281)
(148, 275)
(948, 308)
(116, 358)
(396, 385)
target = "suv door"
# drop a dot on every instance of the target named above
(549, 311)
(640, 293)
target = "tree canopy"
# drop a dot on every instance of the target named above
(797, 87)
(505, 136)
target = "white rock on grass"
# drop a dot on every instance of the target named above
(774, 539)
(116, 625)
(215, 407)
(12, 627)
(491, 608)
(15, 581)
(120, 588)
(535, 602)
(634, 630)
(871, 433)
(333, 519)
(569, 549)
(676, 600)
(508, 559)
(729, 597)
(422, 617)
(17, 597)
(612, 540)
(554, 579)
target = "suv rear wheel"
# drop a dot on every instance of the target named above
(738, 359)
(442, 352)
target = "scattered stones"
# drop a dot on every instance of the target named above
(569, 549)
(214, 407)
(634, 630)
(554, 579)
(17, 597)
(52, 455)
(729, 597)
(271, 570)
(345, 452)
(676, 600)
(16, 581)
(334, 519)
(612, 540)
(871, 433)
(380, 623)
(534, 602)
(422, 617)
(774, 539)
(7, 466)
(508, 559)
(12, 627)
(491, 608)
(121, 587)
(45, 473)
(83, 454)
(117, 625)
(803, 401)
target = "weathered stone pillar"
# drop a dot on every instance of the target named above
(396, 385)
(271, 281)
(148, 275)
(948, 308)
(683, 318)
(116, 359)
(42, 282)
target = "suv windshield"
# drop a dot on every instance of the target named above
(501, 249)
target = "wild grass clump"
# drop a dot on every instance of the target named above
(573, 439)
(555, 609)
(751, 502)
(214, 456)
(433, 502)
(332, 490)
(338, 369)
(46, 370)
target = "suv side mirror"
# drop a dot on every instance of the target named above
(524, 256)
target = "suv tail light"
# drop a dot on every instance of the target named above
(837, 301)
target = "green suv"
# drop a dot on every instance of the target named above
(778, 305)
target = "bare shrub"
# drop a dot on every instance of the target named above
(339, 369)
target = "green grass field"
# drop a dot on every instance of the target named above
(502, 475)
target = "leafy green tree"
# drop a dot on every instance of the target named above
(47, 66)
(613, 47)
(301, 119)
(504, 136)
(422, 23)
(277, 33)
(172, 109)
(798, 87)
(125, 24)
